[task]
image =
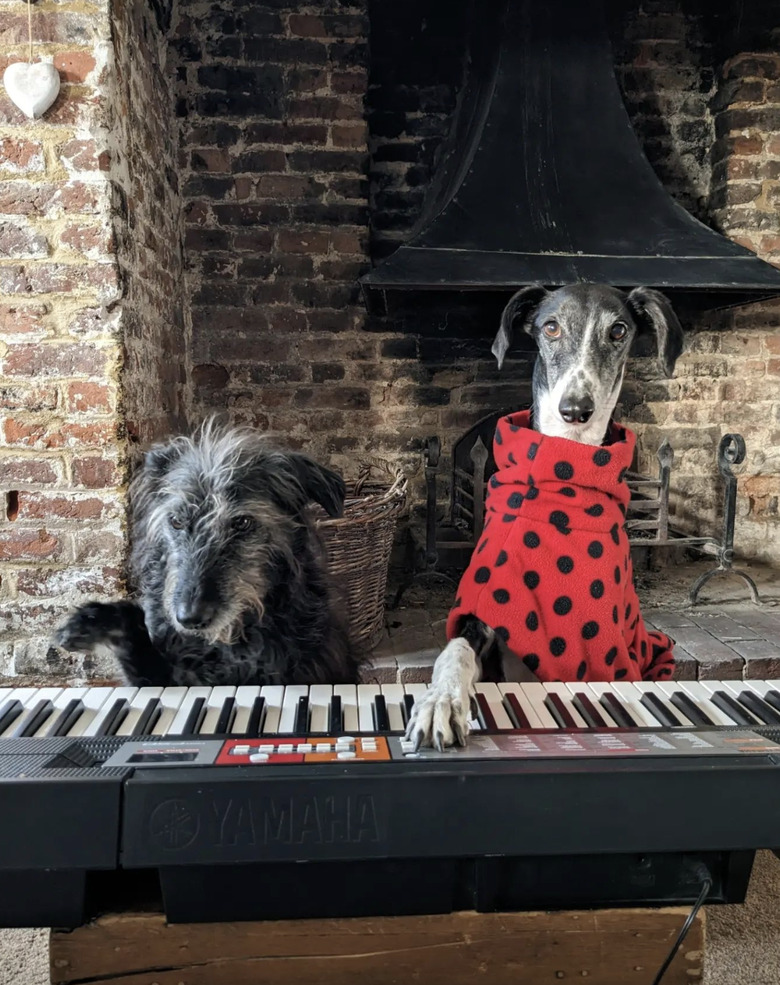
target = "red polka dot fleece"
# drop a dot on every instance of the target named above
(552, 572)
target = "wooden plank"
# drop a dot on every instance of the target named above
(610, 947)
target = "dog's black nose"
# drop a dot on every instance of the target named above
(190, 618)
(576, 410)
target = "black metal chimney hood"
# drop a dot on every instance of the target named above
(543, 178)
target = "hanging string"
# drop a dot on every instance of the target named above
(29, 28)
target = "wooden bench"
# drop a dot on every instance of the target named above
(605, 947)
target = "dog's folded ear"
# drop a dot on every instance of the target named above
(319, 484)
(653, 313)
(520, 306)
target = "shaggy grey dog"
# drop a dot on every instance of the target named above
(229, 572)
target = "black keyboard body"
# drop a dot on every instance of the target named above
(393, 836)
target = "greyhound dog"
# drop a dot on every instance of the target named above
(549, 592)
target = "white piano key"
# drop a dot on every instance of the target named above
(651, 687)
(219, 695)
(394, 699)
(556, 687)
(319, 707)
(700, 696)
(365, 697)
(535, 693)
(61, 701)
(245, 699)
(292, 693)
(117, 694)
(274, 696)
(580, 687)
(94, 698)
(25, 695)
(143, 696)
(497, 709)
(712, 686)
(523, 700)
(349, 707)
(628, 697)
(170, 700)
(178, 721)
(31, 703)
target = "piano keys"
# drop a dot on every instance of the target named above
(383, 709)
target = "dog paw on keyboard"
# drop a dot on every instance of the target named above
(441, 717)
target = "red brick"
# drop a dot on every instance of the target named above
(20, 319)
(43, 506)
(324, 108)
(210, 376)
(96, 473)
(210, 159)
(47, 434)
(98, 545)
(74, 66)
(21, 156)
(56, 359)
(344, 135)
(350, 242)
(19, 242)
(312, 241)
(83, 155)
(91, 241)
(351, 83)
(28, 398)
(60, 278)
(84, 396)
(288, 186)
(59, 583)
(28, 545)
(20, 471)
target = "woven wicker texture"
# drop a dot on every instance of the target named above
(358, 546)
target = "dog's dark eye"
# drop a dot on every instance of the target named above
(176, 522)
(242, 523)
(618, 331)
(552, 329)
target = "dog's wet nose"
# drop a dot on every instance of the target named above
(576, 410)
(190, 617)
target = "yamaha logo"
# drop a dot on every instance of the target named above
(173, 825)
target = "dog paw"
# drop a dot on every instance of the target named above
(89, 626)
(441, 718)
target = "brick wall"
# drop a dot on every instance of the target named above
(91, 324)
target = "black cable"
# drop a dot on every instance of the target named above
(705, 888)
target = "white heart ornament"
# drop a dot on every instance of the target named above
(33, 88)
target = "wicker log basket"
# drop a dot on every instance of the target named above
(359, 543)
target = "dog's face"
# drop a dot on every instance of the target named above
(584, 334)
(223, 514)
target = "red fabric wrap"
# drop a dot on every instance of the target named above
(552, 572)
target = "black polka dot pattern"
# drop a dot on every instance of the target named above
(511, 459)
(502, 633)
(611, 656)
(531, 660)
(602, 457)
(590, 630)
(481, 575)
(532, 622)
(617, 574)
(557, 646)
(563, 470)
(495, 482)
(531, 579)
(560, 521)
(582, 670)
(595, 549)
(531, 539)
(509, 517)
(620, 673)
(502, 558)
(565, 564)
(533, 448)
(597, 588)
(562, 605)
(615, 614)
(614, 533)
(532, 493)
(482, 546)
(498, 439)
(567, 491)
(596, 510)
(501, 595)
(514, 500)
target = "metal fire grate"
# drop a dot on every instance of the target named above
(448, 546)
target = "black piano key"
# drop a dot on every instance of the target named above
(117, 713)
(658, 710)
(301, 726)
(226, 717)
(731, 707)
(33, 721)
(408, 706)
(381, 717)
(195, 717)
(335, 720)
(621, 714)
(755, 703)
(485, 714)
(67, 717)
(773, 698)
(557, 708)
(515, 711)
(690, 709)
(255, 723)
(10, 712)
(147, 719)
(588, 710)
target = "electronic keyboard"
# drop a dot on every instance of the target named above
(565, 795)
